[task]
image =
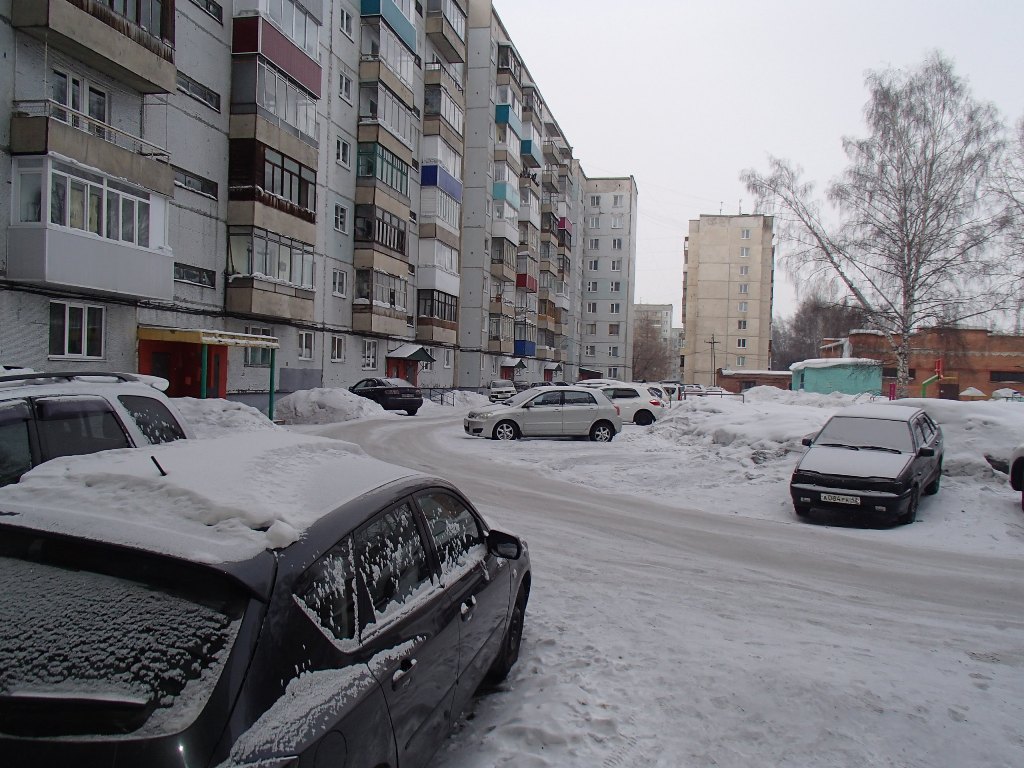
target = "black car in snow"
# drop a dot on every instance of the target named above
(872, 461)
(188, 622)
(390, 394)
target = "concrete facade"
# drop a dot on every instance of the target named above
(727, 295)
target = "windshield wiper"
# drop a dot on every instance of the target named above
(885, 448)
(839, 445)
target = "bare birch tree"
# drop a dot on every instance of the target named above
(1009, 187)
(910, 232)
(652, 357)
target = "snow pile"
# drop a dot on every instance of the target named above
(215, 417)
(460, 399)
(324, 406)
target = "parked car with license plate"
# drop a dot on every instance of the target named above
(44, 416)
(390, 394)
(548, 412)
(639, 403)
(872, 461)
(299, 603)
(500, 389)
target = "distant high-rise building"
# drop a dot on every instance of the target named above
(727, 295)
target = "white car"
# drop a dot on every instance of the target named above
(548, 412)
(500, 389)
(638, 403)
(1017, 472)
(47, 415)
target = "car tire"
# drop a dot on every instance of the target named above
(602, 432)
(411, 411)
(643, 418)
(510, 643)
(505, 430)
(933, 487)
(910, 515)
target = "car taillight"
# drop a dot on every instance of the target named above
(656, 402)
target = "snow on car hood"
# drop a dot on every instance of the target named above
(851, 463)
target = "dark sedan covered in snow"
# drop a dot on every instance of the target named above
(871, 461)
(390, 394)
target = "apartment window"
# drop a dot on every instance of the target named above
(305, 345)
(617, 244)
(614, 308)
(379, 43)
(75, 92)
(104, 207)
(617, 201)
(613, 351)
(616, 286)
(345, 87)
(437, 101)
(589, 350)
(256, 251)
(591, 286)
(741, 325)
(369, 355)
(438, 305)
(741, 343)
(744, 253)
(617, 221)
(198, 91)
(742, 306)
(591, 306)
(613, 329)
(258, 357)
(343, 153)
(381, 289)
(337, 349)
(744, 287)
(76, 330)
(340, 218)
(339, 282)
(595, 243)
(744, 234)
(285, 101)
(195, 182)
(346, 24)
(595, 200)
(212, 8)
(377, 104)
(375, 225)
(744, 270)
(616, 265)
(591, 329)
(377, 161)
(613, 372)
(282, 176)
(186, 273)
(593, 265)
(594, 222)
(741, 360)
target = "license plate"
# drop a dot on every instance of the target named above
(836, 498)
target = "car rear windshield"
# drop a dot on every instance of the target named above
(96, 642)
(861, 432)
(398, 383)
(153, 417)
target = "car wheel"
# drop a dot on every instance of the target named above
(411, 411)
(801, 510)
(911, 514)
(933, 487)
(643, 418)
(506, 430)
(602, 432)
(509, 653)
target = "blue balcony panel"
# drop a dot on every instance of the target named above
(394, 17)
(530, 150)
(503, 190)
(525, 348)
(437, 176)
(503, 115)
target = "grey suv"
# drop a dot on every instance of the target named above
(47, 415)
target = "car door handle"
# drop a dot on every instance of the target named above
(401, 676)
(467, 608)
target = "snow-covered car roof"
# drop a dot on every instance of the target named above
(880, 411)
(210, 501)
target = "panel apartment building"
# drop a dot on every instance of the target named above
(728, 267)
(253, 195)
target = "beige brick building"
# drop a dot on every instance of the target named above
(727, 295)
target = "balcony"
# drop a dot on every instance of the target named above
(255, 34)
(525, 348)
(436, 73)
(526, 282)
(529, 150)
(434, 175)
(46, 127)
(565, 225)
(549, 181)
(90, 31)
(504, 115)
(393, 15)
(443, 22)
(506, 191)
(254, 295)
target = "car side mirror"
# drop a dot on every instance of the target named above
(807, 441)
(504, 545)
(925, 452)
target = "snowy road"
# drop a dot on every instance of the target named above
(662, 636)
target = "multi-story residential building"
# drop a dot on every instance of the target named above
(609, 275)
(728, 268)
(267, 195)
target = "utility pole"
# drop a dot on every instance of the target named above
(714, 369)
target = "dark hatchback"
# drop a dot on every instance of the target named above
(870, 462)
(390, 394)
(356, 645)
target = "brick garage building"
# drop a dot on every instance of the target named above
(738, 380)
(971, 357)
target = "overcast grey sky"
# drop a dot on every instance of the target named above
(684, 94)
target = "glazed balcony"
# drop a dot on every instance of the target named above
(505, 115)
(529, 150)
(436, 73)
(507, 192)
(393, 15)
(140, 55)
(446, 29)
